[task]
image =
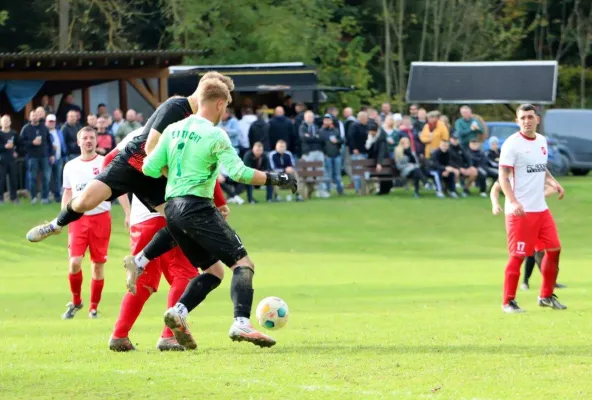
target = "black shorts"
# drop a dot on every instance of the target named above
(202, 233)
(122, 178)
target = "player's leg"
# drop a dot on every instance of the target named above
(99, 236)
(548, 236)
(75, 279)
(98, 190)
(529, 264)
(178, 272)
(520, 244)
(132, 304)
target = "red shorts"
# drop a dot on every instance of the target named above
(534, 231)
(172, 264)
(90, 232)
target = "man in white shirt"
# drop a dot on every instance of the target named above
(530, 226)
(92, 231)
(176, 268)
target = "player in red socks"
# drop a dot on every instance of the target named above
(177, 270)
(529, 223)
(92, 231)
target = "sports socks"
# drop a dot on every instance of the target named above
(549, 270)
(175, 292)
(196, 292)
(66, 216)
(96, 289)
(241, 291)
(131, 307)
(528, 268)
(512, 278)
(76, 287)
(161, 243)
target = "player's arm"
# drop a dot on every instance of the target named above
(152, 141)
(551, 182)
(167, 115)
(67, 195)
(125, 206)
(494, 197)
(239, 172)
(158, 159)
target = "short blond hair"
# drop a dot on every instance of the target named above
(85, 129)
(217, 75)
(213, 89)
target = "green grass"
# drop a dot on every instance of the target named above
(390, 297)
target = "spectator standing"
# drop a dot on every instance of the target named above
(300, 109)
(332, 149)
(289, 107)
(281, 128)
(8, 155)
(493, 156)
(467, 127)
(348, 118)
(102, 109)
(259, 131)
(385, 111)
(406, 130)
(59, 148)
(69, 132)
(128, 126)
(421, 120)
(433, 133)
(40, 154)
(413, 109)
(140, 119)
(67, 106)
(117, 122)
(389, 128)
(105, 140)
(256, 159)
(46, 106)
(91, 120)
(312, 145)
(229, 124)
(356, 141)
(244, 124)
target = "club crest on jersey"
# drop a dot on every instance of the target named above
(95, 171)
(544, 150)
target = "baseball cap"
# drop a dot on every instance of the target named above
(51, 118)
(328, 116)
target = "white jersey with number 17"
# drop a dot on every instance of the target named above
(528, 159)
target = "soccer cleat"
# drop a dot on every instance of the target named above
(120, 345)
(551, 302)
(512, 308)
(246, 333)
(72, 310)
(93, 314)
(178, 324)
(132, 273)
(524, 286)
(40, 232)
(169, 344)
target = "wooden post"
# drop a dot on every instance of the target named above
(85, 102)
(28, 109)
(123, 96)
(163, 85)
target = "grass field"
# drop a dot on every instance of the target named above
(390, 298)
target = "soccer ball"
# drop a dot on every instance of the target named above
(272, 313)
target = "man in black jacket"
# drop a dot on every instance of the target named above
(461, 161)
(69, 131)
(281, 128)
(40, 153)
(332, 148)
(479, 162)
(256, 159)
(8, 142)
(442, 170)
(356, 141)
(259, 131)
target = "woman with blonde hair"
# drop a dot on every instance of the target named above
(407, 163)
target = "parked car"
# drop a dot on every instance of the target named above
(572, 131)
(558, 164)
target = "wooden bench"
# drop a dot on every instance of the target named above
(366, 169)
(310, 173)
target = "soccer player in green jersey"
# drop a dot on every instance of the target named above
(190, 152)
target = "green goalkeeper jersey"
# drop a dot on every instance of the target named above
(193, 150)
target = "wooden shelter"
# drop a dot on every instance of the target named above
(63, 72)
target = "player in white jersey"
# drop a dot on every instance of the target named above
(176, 269)
(92, 231)
(523, 175)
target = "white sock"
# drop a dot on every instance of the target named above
(54, 223)
(242, 321)
(181, 309)
(141, 260)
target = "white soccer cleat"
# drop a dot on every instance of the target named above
(40, 232)
(178, 324)
(132, 273)
(246, 333)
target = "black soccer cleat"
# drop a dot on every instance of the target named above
(512, 308)
(72, 310)
(551, 302)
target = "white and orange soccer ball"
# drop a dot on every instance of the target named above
(272, 313)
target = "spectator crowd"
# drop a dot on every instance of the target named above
(421, 148)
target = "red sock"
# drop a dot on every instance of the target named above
(96, 288)
(549, 271)
(512, 278)
(175, 292)
(76, 286)
(131, 307)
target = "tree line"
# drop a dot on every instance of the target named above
(368, 44)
